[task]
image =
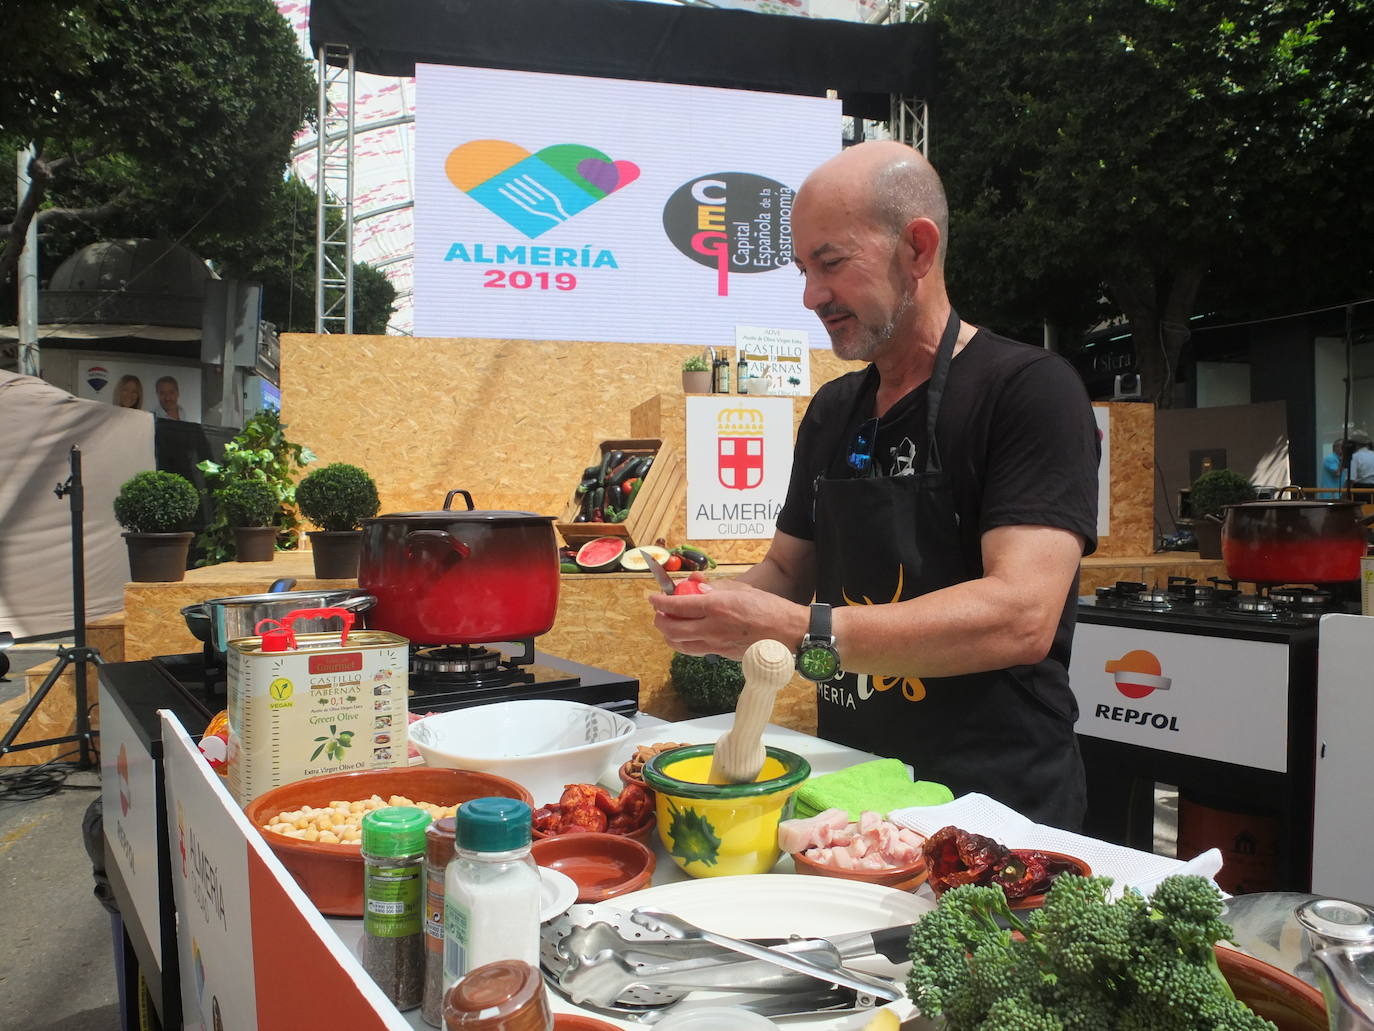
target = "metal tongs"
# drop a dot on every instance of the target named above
(641, 976)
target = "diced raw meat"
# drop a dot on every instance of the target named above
(799, 835)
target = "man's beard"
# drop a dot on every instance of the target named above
(866, 339)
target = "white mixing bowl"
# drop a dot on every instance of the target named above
(540, 743)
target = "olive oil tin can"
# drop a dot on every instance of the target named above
(329, 704)
(1367, 585)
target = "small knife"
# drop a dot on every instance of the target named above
(660, 574)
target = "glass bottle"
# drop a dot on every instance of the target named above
(721, 371)
(438, 854)
(741, 373)
(393, 952)
(491, 891)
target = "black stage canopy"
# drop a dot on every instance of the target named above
(627, 39)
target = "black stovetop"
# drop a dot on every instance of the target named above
(1220, 602)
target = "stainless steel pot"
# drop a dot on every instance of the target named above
(221, 620)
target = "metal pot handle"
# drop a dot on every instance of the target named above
(1297, 491)
(1214, 518)
(420, 538)
(357, 602)
(448, 499)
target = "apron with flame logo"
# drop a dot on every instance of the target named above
(890, 538)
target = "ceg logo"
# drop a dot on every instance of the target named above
(731, 222)
(1138, 674)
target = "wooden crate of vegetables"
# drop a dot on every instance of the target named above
(630, 489)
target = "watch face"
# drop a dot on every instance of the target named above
(818, 663)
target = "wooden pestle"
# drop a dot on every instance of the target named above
(739, 754)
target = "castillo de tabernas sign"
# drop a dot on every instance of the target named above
(739, 458)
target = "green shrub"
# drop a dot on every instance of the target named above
(708, 684)
(696, 363)
(260, 451)
(1217, 488)
(156, 502)
(248, 502)
(338, 497)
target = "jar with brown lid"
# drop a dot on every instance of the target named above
(507, 995)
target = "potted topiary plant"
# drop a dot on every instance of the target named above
(156, 509)
(707, 684)
(696, 375)
(250, 508)
(337, 499)
(1207, 498)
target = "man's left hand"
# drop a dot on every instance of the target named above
(725, 618)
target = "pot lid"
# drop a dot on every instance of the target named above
(447, 515)
(1294, 503)
(289, 597)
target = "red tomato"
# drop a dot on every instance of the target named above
(673, 563)
(688, 587)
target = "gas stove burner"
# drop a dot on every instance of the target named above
(1307, 599)
(454, 658)
(1253, 605)
(1128, 594)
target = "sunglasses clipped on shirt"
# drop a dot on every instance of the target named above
(862, 449)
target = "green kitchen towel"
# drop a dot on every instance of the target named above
(880, 785)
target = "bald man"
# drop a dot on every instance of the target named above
(941, 499)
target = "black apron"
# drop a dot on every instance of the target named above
(1006, 733)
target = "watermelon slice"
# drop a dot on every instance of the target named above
(601, 555)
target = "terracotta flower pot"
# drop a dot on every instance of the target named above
(158, 557)
(336, 553)
(696, 382)
(255, 543)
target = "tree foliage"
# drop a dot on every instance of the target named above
(176, 116)
(1168, 156)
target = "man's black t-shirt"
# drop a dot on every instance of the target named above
(1019, 444)
(1016, 434)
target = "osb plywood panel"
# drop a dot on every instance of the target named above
(1152, 570)
(153, 624)
(512, 421)
(54, 717)
(605, 620)
(1132, 530)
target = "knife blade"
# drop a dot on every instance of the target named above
(660, 574)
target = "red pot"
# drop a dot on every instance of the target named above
(1294, 541)
(461, 577)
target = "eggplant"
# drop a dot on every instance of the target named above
(614, 496)
(591, 472)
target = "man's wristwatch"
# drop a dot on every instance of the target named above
(817, 659)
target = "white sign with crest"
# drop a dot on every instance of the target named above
(739, 461)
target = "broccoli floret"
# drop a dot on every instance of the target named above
(942, 941)
(1081, 963)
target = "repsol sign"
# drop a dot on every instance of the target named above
(1121, 714)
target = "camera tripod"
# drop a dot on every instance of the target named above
(79, 654)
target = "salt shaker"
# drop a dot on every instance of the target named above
(491, 891)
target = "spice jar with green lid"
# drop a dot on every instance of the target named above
(393, 952)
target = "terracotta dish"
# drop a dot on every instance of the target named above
(602, 865)
(1076, 865)
(576, 1022)
(332, 875)
(907, 878)
(1274, 994)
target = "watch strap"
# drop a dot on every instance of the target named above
(819, 630)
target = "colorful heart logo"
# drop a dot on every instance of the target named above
(536, 192)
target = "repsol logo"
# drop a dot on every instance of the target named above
(1121, 714)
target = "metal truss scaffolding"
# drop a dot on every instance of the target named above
(910, 121)
(334, 192)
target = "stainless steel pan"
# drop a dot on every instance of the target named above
(221, 620)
